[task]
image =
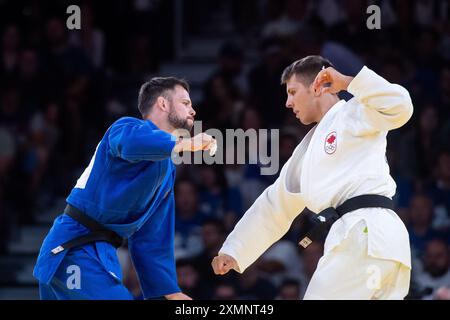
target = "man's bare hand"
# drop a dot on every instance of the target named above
(223, 263)
(201, 141)
(336, 81)
(177, 296)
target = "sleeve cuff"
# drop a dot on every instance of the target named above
(231, 253)
(359, 81)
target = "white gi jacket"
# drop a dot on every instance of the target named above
(343, 156)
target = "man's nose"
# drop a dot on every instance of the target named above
(192, 112)
(288, 104)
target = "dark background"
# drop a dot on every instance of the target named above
(60, 90)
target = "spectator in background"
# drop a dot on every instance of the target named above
(190, 281)
(288, 143)
(329, 12)
(73, 124)
(440, 189)
(295, 14)
(251, 121)
(405, 185)
(217, 200)
(310, 258)
(427, 13)
(353, 31)
(189, 220)
(436, 267)
(7, 157)
(142, 60)
(61, 61)
(231, 59)
(281, 261)
(244, 177)
(225, 291)
(264, 80)
(393, 69)
(10, 51)
(29, 76)
(15, 120)
(129, 275)
(443, 100)
(443, 293)
(420, 145)
(427, 63)
(43, 136)
(11, 111)
(253, 286)
(89, 39)
(289, 290)
(257, 151)
(420, 223)
(222, 102)
(212, 235)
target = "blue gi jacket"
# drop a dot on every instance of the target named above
(128, 187)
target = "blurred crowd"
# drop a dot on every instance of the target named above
(61, 89)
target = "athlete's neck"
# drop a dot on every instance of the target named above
(326, 103)
(160, 121)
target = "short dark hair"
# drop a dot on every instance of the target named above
(305, 69)
(156, 87)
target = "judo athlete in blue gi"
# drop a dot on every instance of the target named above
(125, 192)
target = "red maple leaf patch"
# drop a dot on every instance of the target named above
(331, 139)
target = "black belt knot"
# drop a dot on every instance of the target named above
(323, 221)
(97, 231)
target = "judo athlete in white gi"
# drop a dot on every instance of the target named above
(366, 252)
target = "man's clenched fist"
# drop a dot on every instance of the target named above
(201, 141)
(336, 81)
(223, 263)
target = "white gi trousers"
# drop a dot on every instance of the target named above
(349, 272)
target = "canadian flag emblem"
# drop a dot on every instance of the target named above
(331, 142)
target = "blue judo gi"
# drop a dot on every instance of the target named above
(127, 187)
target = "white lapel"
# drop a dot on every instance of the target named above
(295, 165)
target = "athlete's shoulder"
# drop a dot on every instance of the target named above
(128, 120)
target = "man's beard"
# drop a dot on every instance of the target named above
(177, 122)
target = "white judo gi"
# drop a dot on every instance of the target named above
(367, 253)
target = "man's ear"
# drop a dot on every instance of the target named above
(161, 103)
(317, 92)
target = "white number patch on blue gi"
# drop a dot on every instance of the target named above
(74, 280)
(81, 182)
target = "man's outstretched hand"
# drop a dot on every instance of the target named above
(201, 141)
(223, 263)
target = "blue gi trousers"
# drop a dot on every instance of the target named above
(80, 276)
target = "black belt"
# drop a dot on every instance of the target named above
(323, 221)
(98, 231)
